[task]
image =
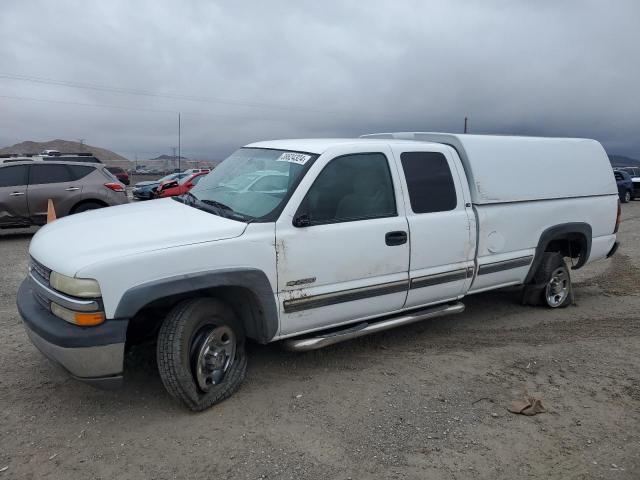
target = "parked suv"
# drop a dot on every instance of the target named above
(26, 187)
(63, 157)
(634, 173)
(625, 185)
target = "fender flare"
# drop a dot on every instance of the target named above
(556, 232)
(263, 325)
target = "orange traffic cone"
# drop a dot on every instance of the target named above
(51, 211)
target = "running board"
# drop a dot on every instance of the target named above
(366, 328)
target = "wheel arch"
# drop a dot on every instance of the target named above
(85, 201)
(246, 290)
(570, 239)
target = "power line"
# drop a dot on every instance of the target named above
(123, 107)
(147, 93)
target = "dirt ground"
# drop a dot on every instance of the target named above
(427, 401)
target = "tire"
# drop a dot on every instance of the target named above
(627, 197)
(184, 336)
(86, 206)
(551, 284)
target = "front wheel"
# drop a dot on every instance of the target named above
(626, 198)
(200, 352)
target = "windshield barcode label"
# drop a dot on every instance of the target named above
(299, 158)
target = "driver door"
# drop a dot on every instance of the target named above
(342, 242)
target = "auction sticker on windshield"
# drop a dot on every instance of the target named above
(291, 157)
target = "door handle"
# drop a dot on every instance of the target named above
(395, 238)
(16, 194)
(71, 189)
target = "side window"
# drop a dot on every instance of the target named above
(41, 174)
(14, 176)
(79, 171)
(431, 187)
(352, 187)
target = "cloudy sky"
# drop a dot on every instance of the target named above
(116, 73)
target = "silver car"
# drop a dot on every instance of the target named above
(26, 187)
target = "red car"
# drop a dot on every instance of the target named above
(174, 188)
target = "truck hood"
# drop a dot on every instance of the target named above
(71, 243)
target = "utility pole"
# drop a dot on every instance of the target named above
(465, 124)
(174, 159)
(179, 140)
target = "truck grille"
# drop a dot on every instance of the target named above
(43, 272)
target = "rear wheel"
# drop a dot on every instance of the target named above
(200, 353)
(551, 284)
(83, 207)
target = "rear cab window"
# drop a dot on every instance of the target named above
(429, 181)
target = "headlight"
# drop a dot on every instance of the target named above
(76, 287)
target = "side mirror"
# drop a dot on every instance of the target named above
(302, 221)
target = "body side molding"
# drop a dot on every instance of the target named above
(504, 265)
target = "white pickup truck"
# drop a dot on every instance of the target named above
(314, 242)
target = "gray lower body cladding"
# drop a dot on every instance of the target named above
(92, 354)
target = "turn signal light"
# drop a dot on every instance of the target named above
(116, 187)
(88, 319)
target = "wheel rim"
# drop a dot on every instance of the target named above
(213, 353)
(627, 196)
(557, 289)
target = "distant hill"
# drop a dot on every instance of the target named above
(168, 157)
(621, 161)
(66, 146)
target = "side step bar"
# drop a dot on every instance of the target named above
(365, 328)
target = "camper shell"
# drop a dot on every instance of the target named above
(502, 169)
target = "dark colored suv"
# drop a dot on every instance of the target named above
(26, 187)
(625, 185)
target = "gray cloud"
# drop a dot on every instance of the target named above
(331, 68)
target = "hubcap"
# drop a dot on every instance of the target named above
(214, 351)
(558, 287)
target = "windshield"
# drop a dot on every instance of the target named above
(252, 182)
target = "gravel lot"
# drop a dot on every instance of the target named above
(425, 401)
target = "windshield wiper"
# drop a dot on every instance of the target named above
(219, 208)
(221, 205)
